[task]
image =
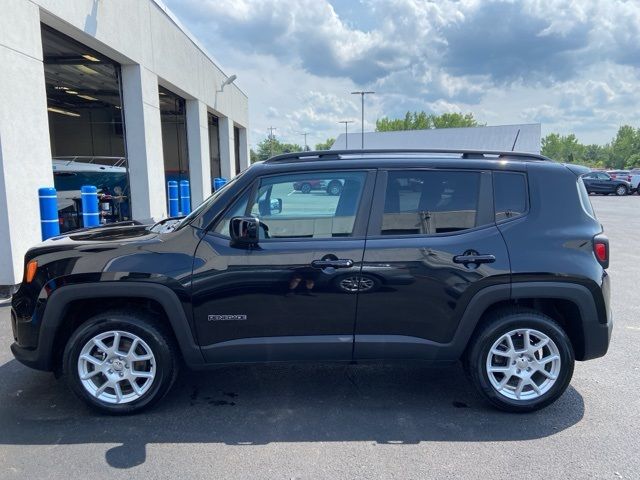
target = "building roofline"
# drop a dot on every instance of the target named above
(162, 6)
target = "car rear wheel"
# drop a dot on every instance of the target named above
(520, 361)
(120, 362)
(621, 190)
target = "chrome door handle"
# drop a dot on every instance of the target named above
(474, 258)
(338, 263)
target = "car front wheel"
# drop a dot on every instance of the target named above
(520, 361)
(120, 362)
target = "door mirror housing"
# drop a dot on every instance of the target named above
(244, 231)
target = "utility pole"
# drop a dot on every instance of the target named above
(362, 94)
(306, 149)
(346, 132)
(271, 137)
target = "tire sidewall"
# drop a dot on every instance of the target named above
(521, 321)
(165, 362)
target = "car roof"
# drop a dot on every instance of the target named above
(376, 158)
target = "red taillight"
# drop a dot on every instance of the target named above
(601, 250)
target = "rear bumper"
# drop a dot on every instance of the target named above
(597, 338)
(591, 332)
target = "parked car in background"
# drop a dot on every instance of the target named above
(620, 174)
(308, 185)
(333, 187)
(634, 180)
(604, 184)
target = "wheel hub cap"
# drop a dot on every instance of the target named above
(523, 364)
(116, 367)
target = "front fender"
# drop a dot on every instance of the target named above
(59, 300)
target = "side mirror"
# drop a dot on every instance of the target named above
(244, 231)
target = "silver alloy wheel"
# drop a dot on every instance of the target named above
(356, 283)
(116, 367)
(523, 364)
(621, 190)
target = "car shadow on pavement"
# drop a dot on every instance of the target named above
(256, 405)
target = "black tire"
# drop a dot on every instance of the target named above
(334, 188)
(621, 190)
(497, 325)
(305, 188)
(140, 324)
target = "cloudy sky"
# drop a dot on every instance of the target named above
(573, 66)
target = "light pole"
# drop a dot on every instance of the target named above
(306, 149)
(362, 94)
(271, 129)
(346, 132)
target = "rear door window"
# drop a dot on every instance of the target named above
(510, 194)
(430, 202)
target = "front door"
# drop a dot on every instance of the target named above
(292, 296)
(433, 243)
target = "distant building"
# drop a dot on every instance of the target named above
(518, 138)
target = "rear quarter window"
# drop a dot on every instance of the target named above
(584, 199)
(510, 195)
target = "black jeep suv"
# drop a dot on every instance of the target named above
(495, 259)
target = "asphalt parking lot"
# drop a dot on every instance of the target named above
(311, 422)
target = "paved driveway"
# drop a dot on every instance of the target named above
(285, 422)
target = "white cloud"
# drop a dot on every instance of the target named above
(572, 64)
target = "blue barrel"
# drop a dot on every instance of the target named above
(90, 214)
(185, 197)
(172, 188)
(49, 224)
(218, 183)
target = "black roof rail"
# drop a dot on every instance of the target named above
(466, 154)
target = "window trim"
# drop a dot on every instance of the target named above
(485, 214)
(527, 198)
(359, 225)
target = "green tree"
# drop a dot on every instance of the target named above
(566, 149)
(424, 121)
(624, 146)
(633, 161)
(271, 146)
(326, 145)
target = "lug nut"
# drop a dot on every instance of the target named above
(518, 371)
(121, 374)
(110, 371)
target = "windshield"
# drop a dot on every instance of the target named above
(205, 205)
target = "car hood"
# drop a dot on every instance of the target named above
(109, 236)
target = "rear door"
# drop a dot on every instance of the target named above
(285, 299)
(432, 244)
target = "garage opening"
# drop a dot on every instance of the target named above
(214, 147)
(86, 128)
(173, 118)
